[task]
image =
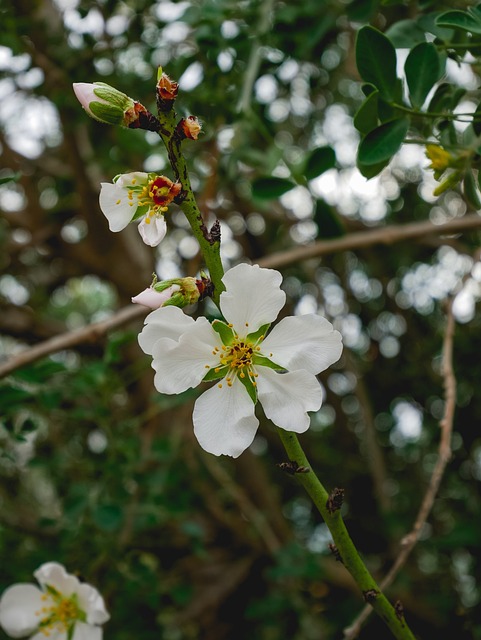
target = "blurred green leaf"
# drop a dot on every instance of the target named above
(319, 161)
(270, 187)
(423, 68)
(383, 142)
(460, 20)
(108, 517)
(471, 191)
(376, 60)
(405, 34)
(366, 117)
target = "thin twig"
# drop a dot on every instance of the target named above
(444, 455)
(90, 333)
(361, 239)
(385, 235)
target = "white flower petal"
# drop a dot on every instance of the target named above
(55, 575)
(116, 206)
(303, 342)
(154, 231)
(133, 179)
(252, 298)
(155, 299)
(224, 420)
(92, 603)
(17, 609)
(53, 634)
(167, 322)
(182, 365)
(84, 631)
(286, 397)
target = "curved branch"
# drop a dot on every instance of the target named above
(359, 240)
(90, 333)
(444, 455)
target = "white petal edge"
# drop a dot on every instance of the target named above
(154, 232)
(85, 631)
(307, 342)
(167, 322)
(17, 610)
(287, 397)
(116, 206)
(55, 575)
(182, 365)
(224, 419)
(133, 179)
(92, 603)
(252, 297)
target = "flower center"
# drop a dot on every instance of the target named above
(238, 358)
(59, 613)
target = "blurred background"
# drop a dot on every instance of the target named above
(103, 474)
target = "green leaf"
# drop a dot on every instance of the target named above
(477, 120)
(405, 34)
(270, 187)
(319, 161)
(460, 20)
(328, 221)
(227, 334)
(376, 60)
(423, 67)
(108, 517)
(471, 192)
(383, 142)
(369, 171)
(366, 117)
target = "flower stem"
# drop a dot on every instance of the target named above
(345, 546)
(209, 241)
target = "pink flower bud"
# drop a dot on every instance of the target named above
(155, 299)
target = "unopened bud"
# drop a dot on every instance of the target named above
(110, 106)
(178, 292)
(189, 127)
(167, 91)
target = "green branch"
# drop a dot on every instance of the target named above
(209, 240)
(345, 546)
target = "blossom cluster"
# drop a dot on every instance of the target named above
(247, 362)
(62, 608)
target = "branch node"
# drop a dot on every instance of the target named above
(370, 595)
(335, 500)
(335, 552)
(399, 609)
(292, 467)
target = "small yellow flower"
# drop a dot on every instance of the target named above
(440, 158)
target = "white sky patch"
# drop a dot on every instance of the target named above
(299, 201)
(175, 32)
(266, 89)
(93, 23)
(30, 124)
(409, 423)
(192, 77)
(170, 11)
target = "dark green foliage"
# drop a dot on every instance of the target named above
(102, 473)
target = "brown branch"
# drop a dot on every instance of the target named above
(385, 235)
(444, 455)
(90, 333)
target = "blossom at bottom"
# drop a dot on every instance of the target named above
(248, 364)
(63, 608)
(139, 196)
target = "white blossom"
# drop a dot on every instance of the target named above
(139, 196)
(277, 368)
(63, 608)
